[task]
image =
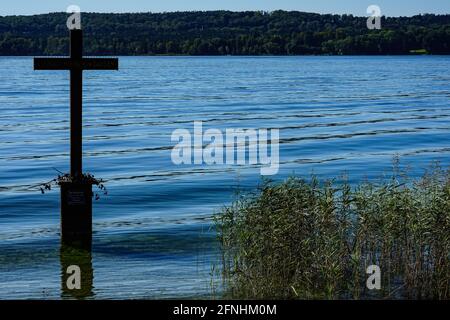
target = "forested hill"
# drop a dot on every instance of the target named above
(225, 33)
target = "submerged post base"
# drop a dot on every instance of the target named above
(74, 257)
(76, 214)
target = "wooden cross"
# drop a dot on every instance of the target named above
(76, 63)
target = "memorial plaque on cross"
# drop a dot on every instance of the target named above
(76, 194)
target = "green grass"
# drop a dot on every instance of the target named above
(311, 239)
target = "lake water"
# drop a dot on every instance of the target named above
(152, 232)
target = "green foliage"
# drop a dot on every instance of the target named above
(310, 239)
(225, 33)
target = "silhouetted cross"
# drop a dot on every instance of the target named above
(76, 64)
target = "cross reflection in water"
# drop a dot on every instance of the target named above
(71, 256)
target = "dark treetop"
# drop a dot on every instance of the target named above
(225, 32)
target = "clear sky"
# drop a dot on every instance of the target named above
(356, 7)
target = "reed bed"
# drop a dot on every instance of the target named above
(312, 239)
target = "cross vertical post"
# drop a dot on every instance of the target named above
(76, 104)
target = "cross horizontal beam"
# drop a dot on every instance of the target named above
(66, 63)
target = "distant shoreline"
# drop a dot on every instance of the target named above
(222, 33)
(251, 56)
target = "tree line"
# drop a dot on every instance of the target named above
(226, 33)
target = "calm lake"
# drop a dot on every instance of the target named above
(152, 232)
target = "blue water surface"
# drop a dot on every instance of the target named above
(153, 236)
